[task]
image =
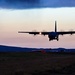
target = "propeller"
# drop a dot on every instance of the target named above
(34, 30)
(44, 31)
(62, 31)
(71, 30)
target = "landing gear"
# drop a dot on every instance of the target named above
(54, 38)
(57, 38)
(49, 39)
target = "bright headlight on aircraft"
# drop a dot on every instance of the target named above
(40, 33)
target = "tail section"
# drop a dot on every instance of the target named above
(55, 26)
(56, 31)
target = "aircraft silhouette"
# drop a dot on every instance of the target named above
(54, 35)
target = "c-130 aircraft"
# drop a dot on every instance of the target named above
(54, 35)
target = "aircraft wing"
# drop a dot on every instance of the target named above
(45, 33)
(34, 33)
(59, 33)
(66, 32)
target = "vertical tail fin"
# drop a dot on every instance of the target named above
(55, 26)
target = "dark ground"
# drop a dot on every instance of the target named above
(37, 63)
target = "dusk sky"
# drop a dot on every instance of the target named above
(39, 15)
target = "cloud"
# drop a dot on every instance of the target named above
(23, 1)
(26, 4)
(18, 4)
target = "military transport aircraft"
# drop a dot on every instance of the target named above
(54, 35)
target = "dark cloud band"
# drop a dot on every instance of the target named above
(22, 1)
(23, 4)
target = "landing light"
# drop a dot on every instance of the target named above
(40, 33)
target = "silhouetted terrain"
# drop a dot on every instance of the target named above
(36, 62)
(15, 49)
(20, 49)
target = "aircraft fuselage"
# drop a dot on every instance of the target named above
(53, 35)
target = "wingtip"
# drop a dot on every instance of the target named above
(19, 32)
